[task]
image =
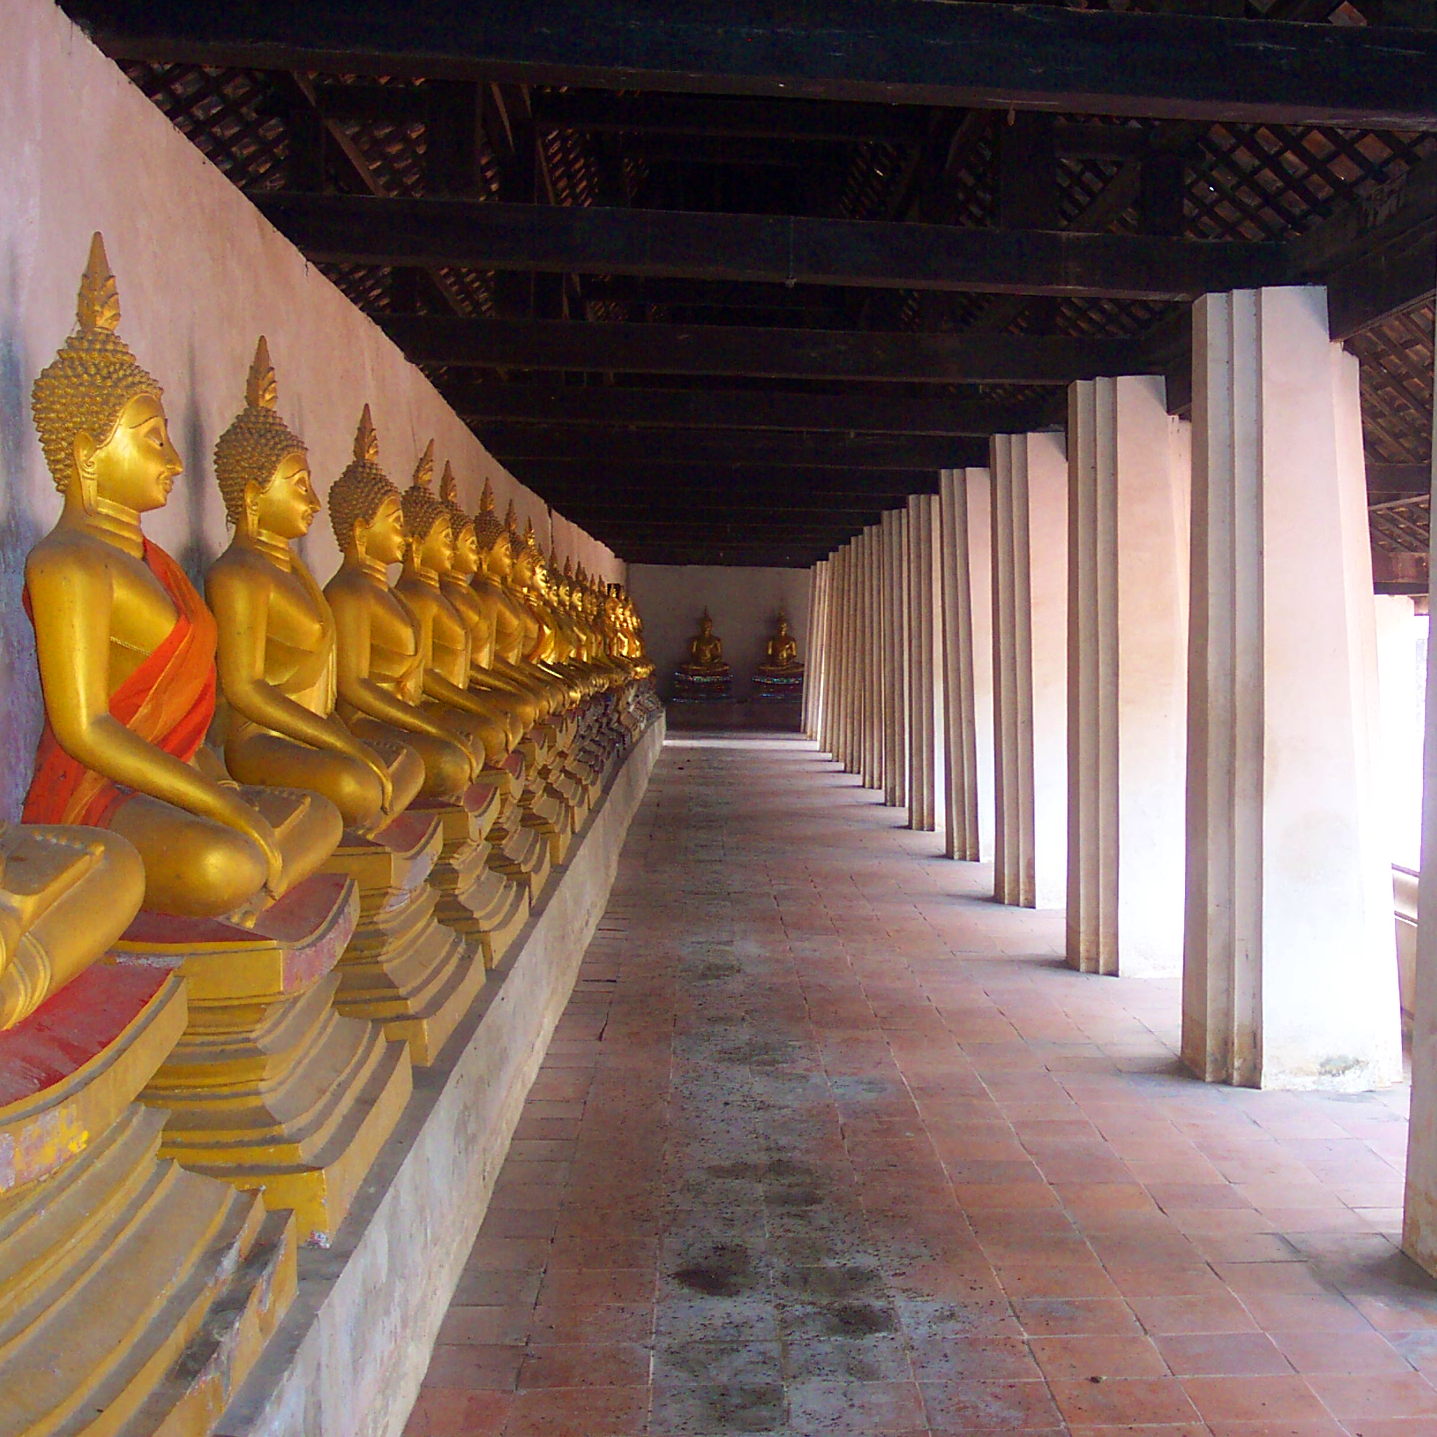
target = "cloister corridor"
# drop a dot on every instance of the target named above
(828, 1142)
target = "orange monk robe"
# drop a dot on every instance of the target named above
(169, 701)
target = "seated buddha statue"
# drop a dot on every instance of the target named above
(126, 648)
(503, 624)
(527, 577)
(379, 671)
(66, 894)
(781, 653)
(277, 649)
(477, 719)
(706, 652)
(464, 589)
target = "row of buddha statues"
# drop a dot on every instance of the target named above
(275, 839)
(707, 677)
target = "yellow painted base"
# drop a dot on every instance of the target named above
(269, 1088)
(134, 1296)
(484, 893)
(404, 967)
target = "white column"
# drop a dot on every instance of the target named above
(919, 607)
(895, 729)
(813, 659)
(966, 661)
(1128, 488)
(1030, 563)
(1289, 966)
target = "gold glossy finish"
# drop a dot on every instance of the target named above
(85, 1201)
(277, 666)
(781, 653)
(705, 651)
(380, 669)
(126, 647)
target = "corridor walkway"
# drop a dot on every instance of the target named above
(828, 1143)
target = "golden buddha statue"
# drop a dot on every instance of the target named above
(460, 585)
(781, 652)
(277, 648)
(126, 648)
(381, 669)
(705, 651)
(481, 722)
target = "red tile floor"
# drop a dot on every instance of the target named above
(829, 1143)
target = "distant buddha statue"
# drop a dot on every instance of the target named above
(126, 648)
(277, 647)
(705, 650)
(705, 675)
(781, 652)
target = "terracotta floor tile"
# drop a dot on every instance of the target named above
(1255, 1399)
(827, 1142)
(1387, 1394)
(1133, 1402)
(1086, 1358)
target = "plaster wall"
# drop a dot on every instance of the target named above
(201, 276)
(744, 604)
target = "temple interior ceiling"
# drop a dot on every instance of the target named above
(715, 325)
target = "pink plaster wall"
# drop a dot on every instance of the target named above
(201, 276)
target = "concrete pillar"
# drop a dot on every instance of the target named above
(921, 612)
(966, 661)
(817, 647)
(1030, 563)
(868, 637)
(1289, 966)
(1129, 478)
(895, 788)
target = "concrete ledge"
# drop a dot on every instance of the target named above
(349, 1357)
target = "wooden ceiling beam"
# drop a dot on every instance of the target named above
(762, 353)
(607, 406)
(562, 239)
(833, 450)
(562, 482)
(1178, 66)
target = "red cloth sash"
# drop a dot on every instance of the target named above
(169, 701)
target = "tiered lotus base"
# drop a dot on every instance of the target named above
(136, 1295)
(269, 1087)
(702, 688)
(518, 832)
(404, 968)
(478, 898)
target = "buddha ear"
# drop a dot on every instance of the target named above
(83, 449)
(249, 500)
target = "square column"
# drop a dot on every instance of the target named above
(922, 679)
(1289, 961)
(965, 662)
(1129, 468)
(893, 679)
(1030, 672)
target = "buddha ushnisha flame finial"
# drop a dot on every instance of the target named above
(355, 497)
(449, 497)
(92, 377)
(421, 505)
(253, 447)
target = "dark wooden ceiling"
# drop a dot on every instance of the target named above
(725, 281)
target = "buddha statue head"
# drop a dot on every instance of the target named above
(426, 521)
(364, 505)
(491, 538)
(261, 464)
(461, 526)
(99, 413)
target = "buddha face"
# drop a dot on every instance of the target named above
(466, 554)
(436, 549)
(136, 466)
(382, 538)
(286, 506)
(498, 560)
(706, 627)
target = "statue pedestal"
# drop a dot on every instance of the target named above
(702, 688)
(405, 967)
(519, 848)
(478, 901)
(546, 807)
(269, 1087)
(771, 687)
(134, 1295)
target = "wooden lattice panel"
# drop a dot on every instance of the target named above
(1402, 526)
(1396, 360)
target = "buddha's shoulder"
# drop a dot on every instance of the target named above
(74, 552)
